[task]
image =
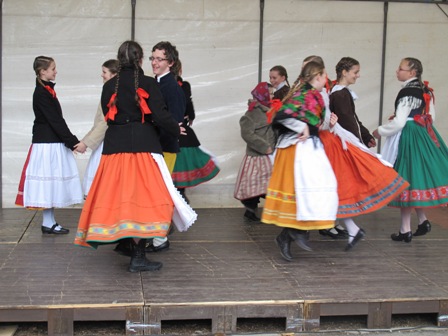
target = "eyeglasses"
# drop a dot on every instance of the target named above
(157, 59)
(400, 69)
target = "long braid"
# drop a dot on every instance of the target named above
(136, 73)
(114, 102)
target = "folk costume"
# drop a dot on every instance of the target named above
(365, 183)
(342, 103)
(302, 191)
(416, 149)
(50, 176)
(94, 140)
(256, 167)
(194, 164)
(132, 194)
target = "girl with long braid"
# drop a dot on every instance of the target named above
(416, 150)
(50, 176)
(302, 191)
(132, 194)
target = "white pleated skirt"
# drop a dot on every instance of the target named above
(92, 167)
(50, 178)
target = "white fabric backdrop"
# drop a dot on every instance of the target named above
(218, 45)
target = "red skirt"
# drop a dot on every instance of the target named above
(364, 183)
(128, 199)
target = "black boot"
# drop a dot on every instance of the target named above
(125, 247)
(139, 263)
(300, 237)
(283, 241)
(423, 228)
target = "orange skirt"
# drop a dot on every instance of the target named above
(364, 183)
(280, 207)
(128, 198)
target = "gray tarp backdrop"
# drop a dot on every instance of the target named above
(219, 44)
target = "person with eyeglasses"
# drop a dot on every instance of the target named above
(416, 150)
(164, 58)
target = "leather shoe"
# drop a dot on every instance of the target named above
(423, 228)
(52, 230)
(163, 247)
(339, 235)
(406, 237)
(361, 234)
(251, 216)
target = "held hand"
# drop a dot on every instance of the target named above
(376, 134)
(305, 135)
(80, 147)
(190, 123)
(391, 117)
(333, 119)
(182, 129)
(372, 143)
(269, 151)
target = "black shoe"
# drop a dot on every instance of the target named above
(406, 237)
(163, 247)
(283, 241)
(301, 238)
(139, 263)
(423, 228)
(52, 230)
(339, 235)
(125, 247)
(251, 216)
(361, 234)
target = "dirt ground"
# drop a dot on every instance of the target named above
(422, 324)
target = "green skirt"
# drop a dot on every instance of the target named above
(193, 166)
(424, 165)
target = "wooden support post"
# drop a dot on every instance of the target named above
(442, 318)
(135, 322)
(379, 315)
(311, 316)
(60, 322)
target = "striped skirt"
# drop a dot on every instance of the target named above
(253, 177)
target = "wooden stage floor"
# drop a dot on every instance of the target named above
(222, 270)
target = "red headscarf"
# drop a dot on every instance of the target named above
(261, 94)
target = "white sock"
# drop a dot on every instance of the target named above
(406, 220)
(48, 218)
(352, 228)
(159, 241)
(421, 215)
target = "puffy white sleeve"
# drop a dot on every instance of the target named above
(404, 108)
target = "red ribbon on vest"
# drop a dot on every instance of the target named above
(143, 95)
(110, 115)
(425, 120)
(49, 89)
(427, 96)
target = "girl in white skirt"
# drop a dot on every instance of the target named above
(50, 176)
(94, 138)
